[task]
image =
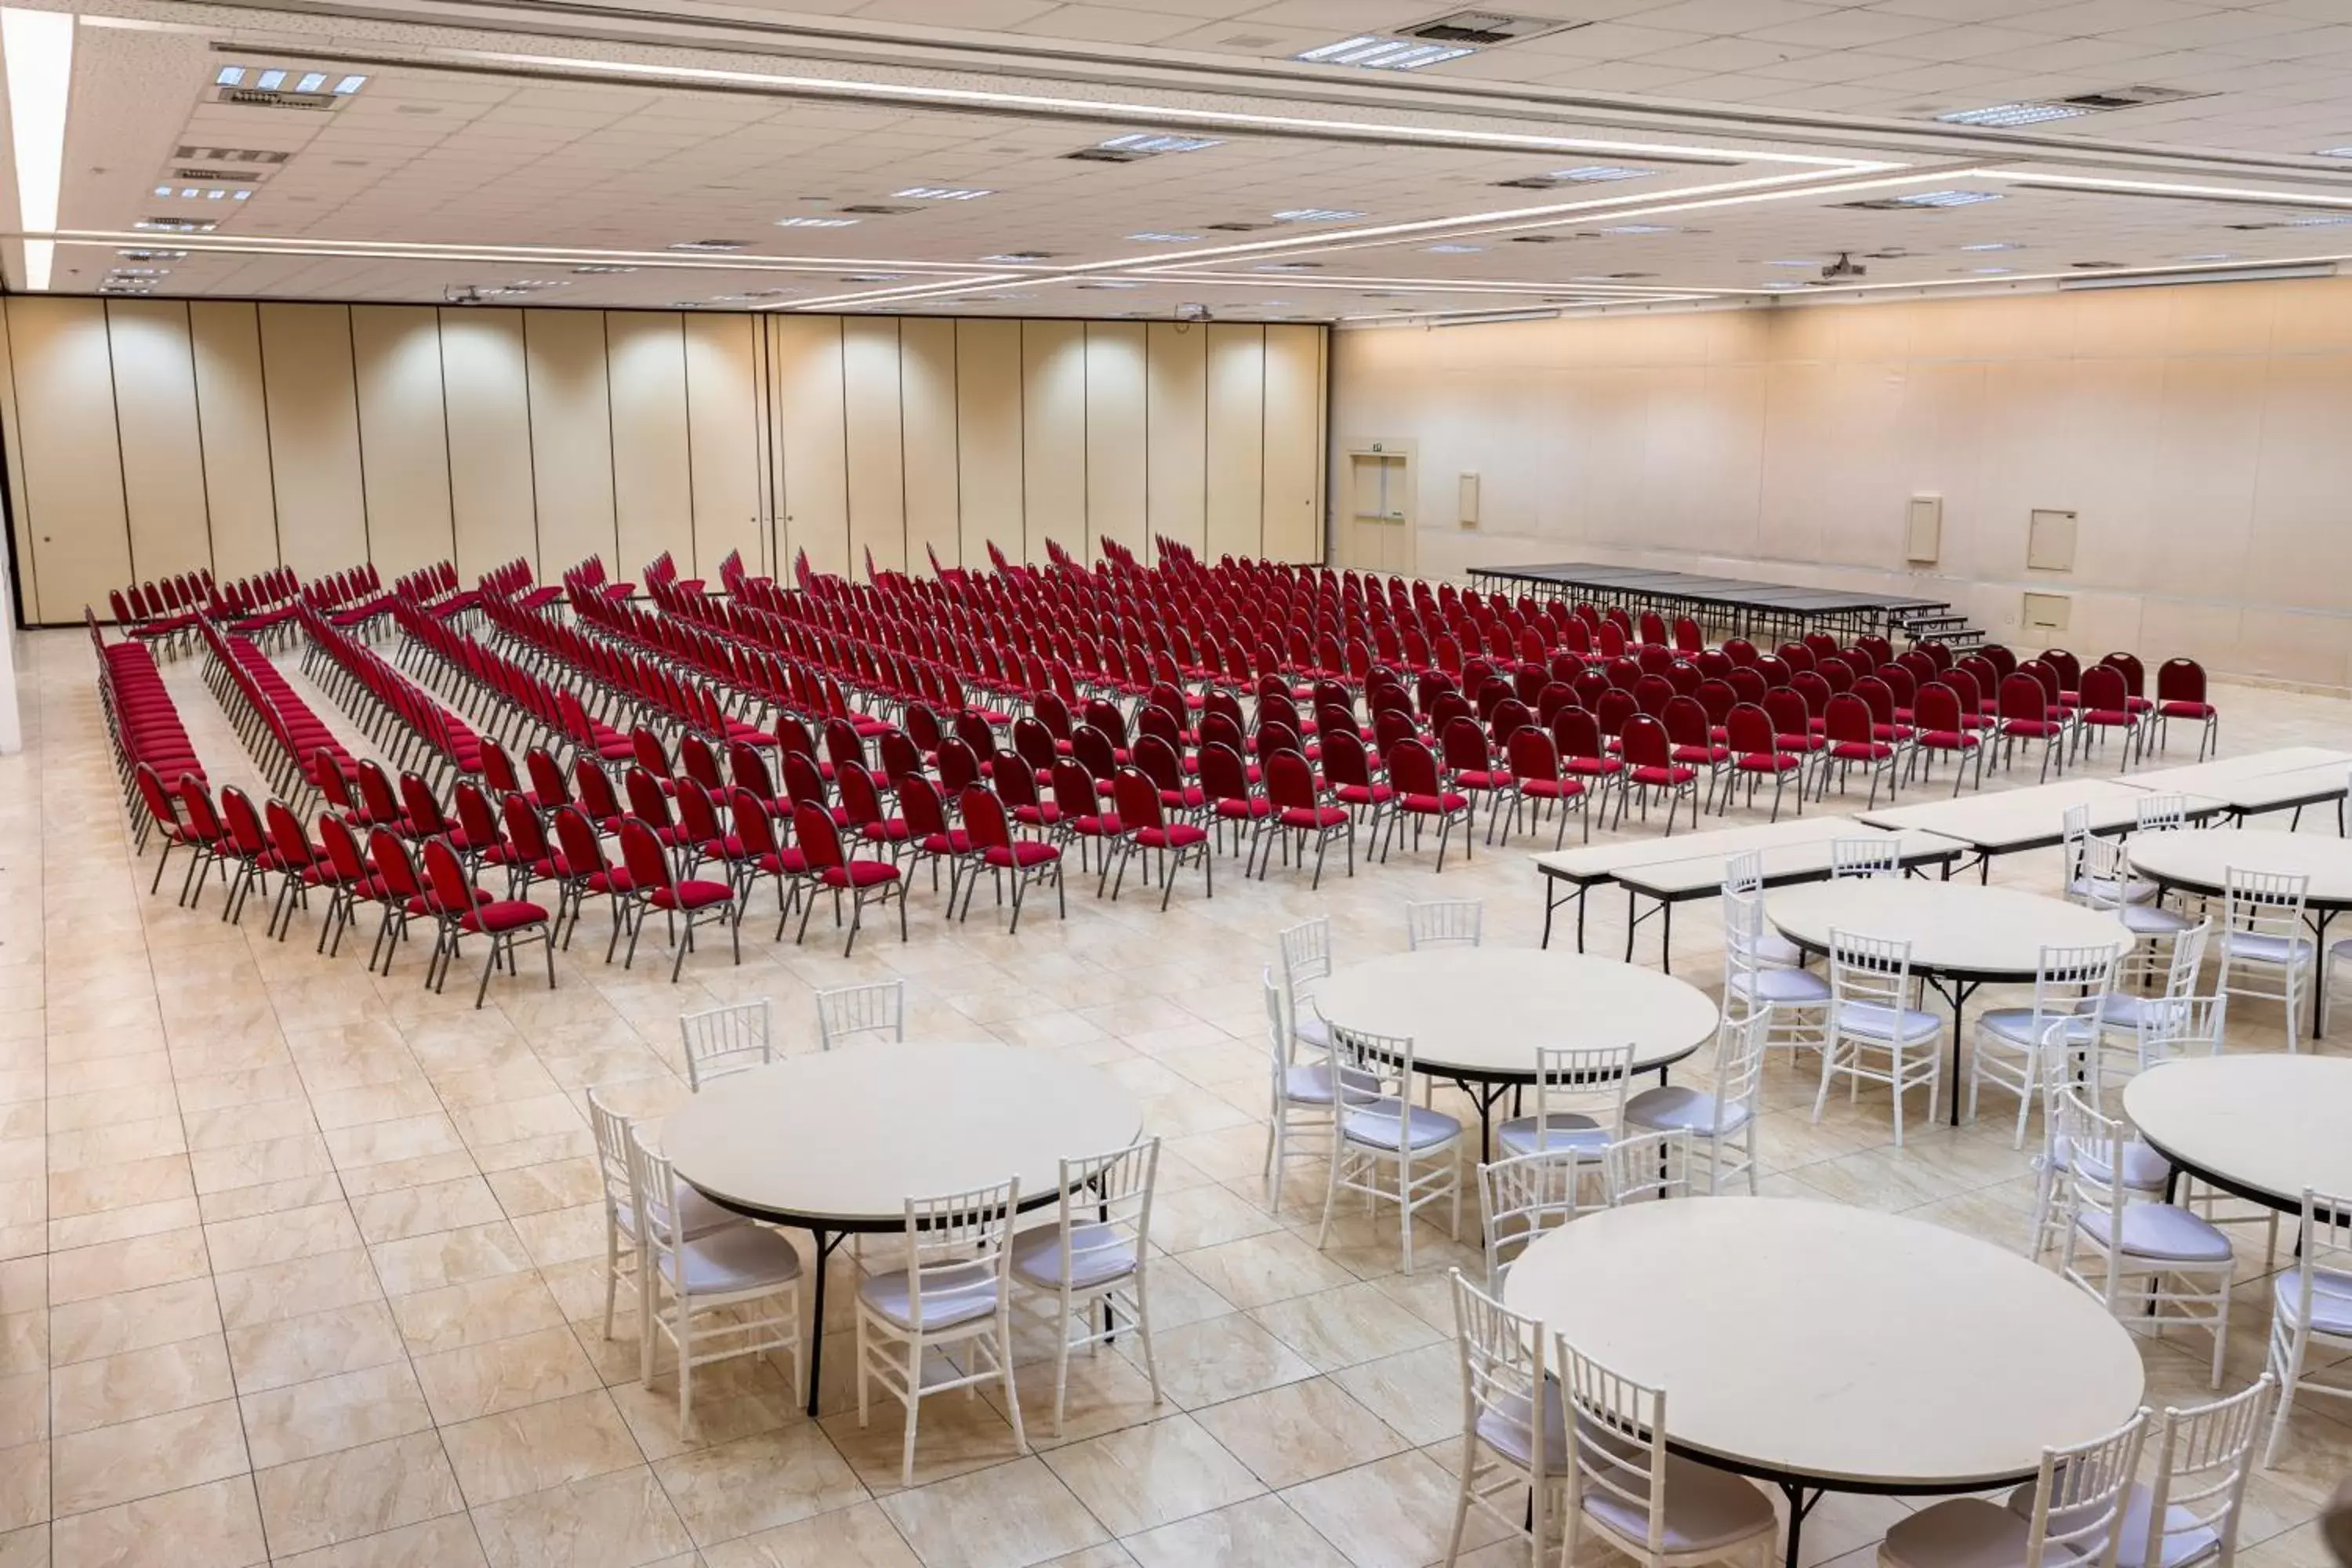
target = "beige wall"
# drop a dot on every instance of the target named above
(2201, 432)
(151, 437)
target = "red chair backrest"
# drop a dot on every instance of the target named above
(584, 852)
(1345, 760)
(1413, 767)
(1137, 798)
(475, 816)
(1074, 789)
(1092, 746)
(1748, 729)
(1290, 780)
(859, 798)
(446, 887)
(646, 801)
(2069, 668)
(2180, 681)
(1963, 685)
(1577, 733)
(696, 761)
(1938, 706)
(2135, 674)
(802, 781)
(245, 830)
(2103, 689)
(342, 849)
(1159, 762)
(1847, 717)
(394, 864)
(2045, 675)
(1531, 751)
(498, 768)
(1790, 717)
(1464, 744)
(1878, 696)
(286, 835)
(1747, 684)
(984, 818)
(1646, 742)
(593, 790)
(524, 833)
(642, 852)
(376, 794)
(813, 831)
(646, 749)
(1687, 722)
(1615, 707)
(546, 780)
(698, 813)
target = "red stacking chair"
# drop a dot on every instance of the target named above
(1691, 742)
(861, 798)
(2107, 705)
(1852, 730)
(175, 828)
(1755, 755)
(246, 847)
(1421, 793)
(930, 836)
(1144, 826)
(1470, 767)
(353, 881)
(1025, 860)
(1943, 726)
(582, 867)
(1650, 767)
(1078, 802)
(866, 881)
(301, 865)
(652, 885)
(461, 909)
(399, 890)
(1536, 777)
(2181, 694)
(1299, 809)
(2025, 715)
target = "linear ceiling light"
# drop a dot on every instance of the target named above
(39, 49)
(1375, 52)
(2165, 280)
(2162, 188)
(2003, 116)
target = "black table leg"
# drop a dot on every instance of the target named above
(1958, 995)
(827, 1243)
(2321, 919)
(1800, 1505)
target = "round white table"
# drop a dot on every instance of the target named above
(1479, 1015)
(834, 1143)
(2261, 1128)
(1824, 1347)
(2198, 859)
(1962, 935)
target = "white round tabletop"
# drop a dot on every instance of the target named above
(843, 1138)
(1815, 1343)
(1959, 929)
(2263, 1127)
(2200, 858)
(1484, 1012)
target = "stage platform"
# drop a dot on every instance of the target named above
(1731, 605)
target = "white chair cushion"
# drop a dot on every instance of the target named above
(2154, 920)
(2184, 1538)
(1963, 1533)
(1560, 1129)
(1377, 1124)
(1771, 947)
(699, 1214)
(1787, 988)
(2161, 1231)
(1101, 1255)
(1706, 1508)
(738, 1257)
(2107, 890)
(2015, 1024)
(950, 1297)
(2145, 1170)
(2331, 1298)
(1312, 1084)
(2256, 948)
(2121, 1010)
(1506, 1430)
(1310, 1027)
(1874, 1021)
(1677, 1105)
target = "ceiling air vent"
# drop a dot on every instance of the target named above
(879, 209)
(1237, 227)
(710, 245)
(1540, 239)
(231, 155)
(196, 174)
(2129, 98)
(275, 98)
(1485, 29)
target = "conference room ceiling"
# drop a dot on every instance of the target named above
(1645, 154)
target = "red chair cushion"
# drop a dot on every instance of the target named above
(1024, 852)
(691, 894)
(1448, 800)
(1175, 835)
(505, 915)
(860, 874)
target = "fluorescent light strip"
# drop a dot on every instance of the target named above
(911, 291)
(1771, 187)
(398, 250)
(38, 46)
(2165, 187)
(1140, 114)
(1428, 285)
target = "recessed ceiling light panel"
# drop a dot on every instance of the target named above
(1161, 237)
(814, 222)
(2003, 116)
(1374, 51)
(1316, 215)
(942, 193)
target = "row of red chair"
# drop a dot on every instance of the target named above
(396, 713)
(142, 718)
(277, 727)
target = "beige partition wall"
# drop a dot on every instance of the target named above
(2195, 432)
(148, 437)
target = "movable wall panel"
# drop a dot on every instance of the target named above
(310, 395)
(652, 502)
(493, 449)
(722, 427)
(150, 436)
(156, 402)
(240, 491)
(80, 535)
(1054, 438)
(571, 412)
(873, 442)
(927, 421)
(1294, 442)
(990, 446)
(1176, 431)
(1236, 424)
(1116, 481)
(403, 433)
(805, 352)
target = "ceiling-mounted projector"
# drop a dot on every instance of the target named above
(1845, 266)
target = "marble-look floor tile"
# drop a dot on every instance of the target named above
(1006, 1516)
(356, 1492)
(216, 1525)
(142, 1457)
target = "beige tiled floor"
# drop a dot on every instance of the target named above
(303, 1266)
